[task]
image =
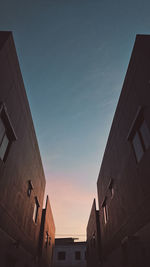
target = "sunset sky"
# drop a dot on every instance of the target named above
(73, 56)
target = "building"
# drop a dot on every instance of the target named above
(68, 253)
(93, 238)
(47, 236)
(22, 180)
(124, 178)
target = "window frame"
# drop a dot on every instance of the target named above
(46, 239)
(105, 211)
(136, 133)
(111, 188)
(35, 210)
(4, 142)
(30, 188)
(8, 130)
(94, 239)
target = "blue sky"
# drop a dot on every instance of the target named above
(73, 56)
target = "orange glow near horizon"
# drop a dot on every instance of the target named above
(71, 206)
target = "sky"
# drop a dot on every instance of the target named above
(73, 56)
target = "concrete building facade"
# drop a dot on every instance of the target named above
(68, 253)
(47, 236)
(22, 180)
(93, 238)
(124, 178)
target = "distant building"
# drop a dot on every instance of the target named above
(47, 236)
(124, 179)
(68, 253)
(22, 181)
(93, 238)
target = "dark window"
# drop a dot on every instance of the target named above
(137, 145)
(77, 255)
(7, 135)
(30, 188)
(139, 134)
(94, 241)
(35, 211)
(111, 188)
(4, 141)
(61, 255)
(145, 135)
(141, 140)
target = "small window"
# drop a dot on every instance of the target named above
(105, 211)
(77, 255)
(105, 214)
(145, 135)
(61, 255)
(30, 188)
(94, 240)
(2, 129)
(137, 146)
(7, 135)
(46, 239)
(139, 135)
(35, 211)
(3, 146)
(141, 140)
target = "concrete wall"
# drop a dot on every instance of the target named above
(47, 236)
(93, 238)
(128, 207)
(20, 233)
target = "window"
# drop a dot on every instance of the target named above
(77, 255)
(141, 140)
(30, 188)
(4, 141)
(46, 240)
(137, 145)
(61, 255)
(111, 188)
(139, 135)
(7, 134)
(105, 211)
(94, 240)
(35, 211)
